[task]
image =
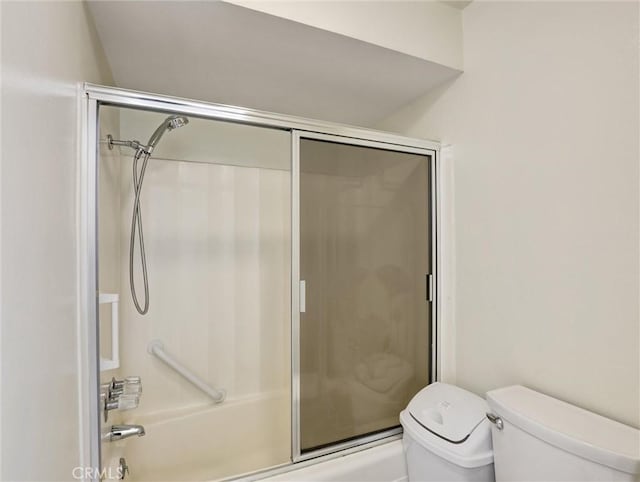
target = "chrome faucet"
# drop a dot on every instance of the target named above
(121, 432)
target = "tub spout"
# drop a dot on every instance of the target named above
(121, 432)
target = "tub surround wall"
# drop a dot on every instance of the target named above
(544, 132)
(216, 241)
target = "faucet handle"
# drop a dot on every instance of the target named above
(128, 401)
(120, 394)
(132, 385)
(127, 385)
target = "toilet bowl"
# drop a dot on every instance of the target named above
(447, 436)
(539, 438)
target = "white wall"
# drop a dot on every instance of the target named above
(47, 47)
(544, 132)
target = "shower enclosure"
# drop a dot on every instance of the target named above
(289, 307)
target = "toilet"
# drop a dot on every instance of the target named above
(539, 438)
(447, 436)
(518, 434)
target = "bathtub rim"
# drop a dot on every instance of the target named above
(293, 466)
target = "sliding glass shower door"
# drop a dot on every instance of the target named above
(288, 265)
(364, 251)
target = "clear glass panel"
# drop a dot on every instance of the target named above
(216, 215)
(364, 254)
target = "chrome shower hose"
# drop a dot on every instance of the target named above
(136, 221)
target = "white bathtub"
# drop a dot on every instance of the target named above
(383, 463)
(208, 443)
(237, 437)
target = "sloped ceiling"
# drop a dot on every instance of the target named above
(224, 53)
(461, 4)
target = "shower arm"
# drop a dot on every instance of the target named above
(136, 145)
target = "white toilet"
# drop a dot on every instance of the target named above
(447, 436)
(534, 438)
(539, 438)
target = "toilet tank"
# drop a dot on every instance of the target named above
(540, 438)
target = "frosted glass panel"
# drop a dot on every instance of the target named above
(364, 255)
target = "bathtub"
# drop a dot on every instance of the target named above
(207, 443)
(382, 463)
(239, 437)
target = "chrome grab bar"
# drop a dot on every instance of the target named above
(156, 348)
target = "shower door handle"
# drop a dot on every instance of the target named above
(303, 296)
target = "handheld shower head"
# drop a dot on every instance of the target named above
(170, 123)
(176, 121)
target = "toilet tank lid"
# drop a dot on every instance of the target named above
(568, 427)
(450, 412)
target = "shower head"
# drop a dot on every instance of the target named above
(176, 121)
(170, 123)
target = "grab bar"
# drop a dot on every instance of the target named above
(156, 348)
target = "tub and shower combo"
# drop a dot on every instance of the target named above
(260, 289)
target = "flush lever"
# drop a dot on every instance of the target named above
(494, 419)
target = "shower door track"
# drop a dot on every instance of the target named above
(91, 97)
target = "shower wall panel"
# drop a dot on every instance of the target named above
(217, 242)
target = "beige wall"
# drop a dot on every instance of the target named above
(543, 127)
(47, 47)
